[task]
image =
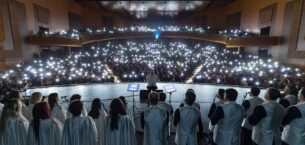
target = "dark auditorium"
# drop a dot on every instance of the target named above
(142, 72)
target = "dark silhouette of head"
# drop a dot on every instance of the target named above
(40, 111)
(153, 98)
(162, 96)
(230, 94)
(75, 97)
(53, 99)
(95, 108)
(76, 108)
(272, 94)
(116, 108)
(255, 91)
(221, 93)
(190, 97)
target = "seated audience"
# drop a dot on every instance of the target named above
(76, 97)
(186, 119)
(98, 114)
(78, 130)
(57, 111)
(27, 111)
(43, 130)
(294, 123)
(249, 105)
(154, 121)
(117, 127)
(227, 119)
(13, 126)
(266, 120)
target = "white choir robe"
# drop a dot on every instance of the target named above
(168, 107)
(294, 132)
(16, 130)
(27, 112)
(125, 135)
(129, 112)
(50, 131)
(59, 113)
(84, 113)
(79, 130)
(99, 125)
(1, 108)
(155, 126)
(186, 132)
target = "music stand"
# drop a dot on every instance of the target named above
(170, 89)
(133, 88)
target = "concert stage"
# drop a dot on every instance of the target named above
(205, 94)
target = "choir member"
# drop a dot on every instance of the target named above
(215, 104)
(218, 102)
(57, 110)
(43, 130)
(168, 107)
(98, 114)
(76, 97)
(227, 120)
(128, 111)
(249, 105)
(294, 123)
(13, 126)
(291, 93)
(154, 121)
(1, 108)
(117, 127)
(195, 104)
(78, 130)
(266, 120)
(186, 119)
(27, 111)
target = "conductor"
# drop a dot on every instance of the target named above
(151, 79)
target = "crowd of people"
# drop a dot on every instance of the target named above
(76, 34)
(274, 120)
(131, 60)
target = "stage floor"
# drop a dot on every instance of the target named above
(205, 94)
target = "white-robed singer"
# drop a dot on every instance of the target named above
(129, 111)
(57, 110)
(43, 130)
(27, 111)
(227, 120)
(117, 127)
(98, 114)
(78, 130)
(219, 100)
(187, 119)
(294, 123)
(76, 97)
(291, 93)
(169, 108)
(249, 105)
(266, 120)
(13, 126)
(154, 121)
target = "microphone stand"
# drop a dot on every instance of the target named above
(245, 96)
